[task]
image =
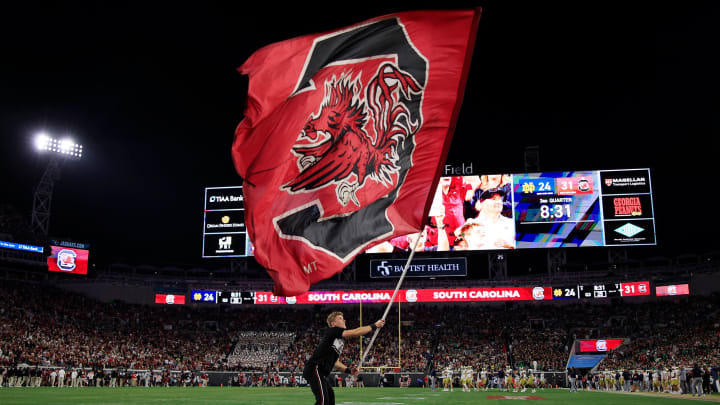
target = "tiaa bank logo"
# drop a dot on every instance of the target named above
(66, 260)
(601, 345)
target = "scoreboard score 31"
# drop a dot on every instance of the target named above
(602, 290)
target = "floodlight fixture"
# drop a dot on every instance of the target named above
(41, 141)
(65, 146)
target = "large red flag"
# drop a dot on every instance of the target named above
(344, 137)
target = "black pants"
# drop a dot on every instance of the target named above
(320, 385)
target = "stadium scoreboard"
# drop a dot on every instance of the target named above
(583, 208)
(603, 290)
(224, 231)
(599, 290)
(543, 210)
(235, 297)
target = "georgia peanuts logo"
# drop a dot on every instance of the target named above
(66, 260)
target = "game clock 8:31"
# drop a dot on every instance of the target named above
(557, 209)
(563, 210)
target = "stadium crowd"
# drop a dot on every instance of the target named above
(45, 329)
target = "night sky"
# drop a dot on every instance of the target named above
(153, 94)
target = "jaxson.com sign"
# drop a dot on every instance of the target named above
(419, 267)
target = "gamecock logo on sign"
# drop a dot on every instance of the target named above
(66, 260)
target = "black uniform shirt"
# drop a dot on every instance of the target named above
(328, 351)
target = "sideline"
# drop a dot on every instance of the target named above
(707, 398)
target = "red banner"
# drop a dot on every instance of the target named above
(599, 345)
(635, 289)
(411, 295)
(170, 299)
(670, 290)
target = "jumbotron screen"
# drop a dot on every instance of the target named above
(536, 210)
(600, 345)
(68, 260)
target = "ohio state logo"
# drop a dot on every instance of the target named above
(66, 260)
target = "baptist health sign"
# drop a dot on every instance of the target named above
(419, 267)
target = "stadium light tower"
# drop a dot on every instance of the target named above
(59, 150)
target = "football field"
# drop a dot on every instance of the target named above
(347, 396)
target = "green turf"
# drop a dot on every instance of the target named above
(296, 396)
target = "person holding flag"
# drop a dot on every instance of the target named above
(342, 144)
(325, 358)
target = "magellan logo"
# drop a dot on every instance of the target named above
(626, 181)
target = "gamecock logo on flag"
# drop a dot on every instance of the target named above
(344, 137)
(356, 134)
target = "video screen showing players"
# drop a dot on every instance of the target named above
(467, 213)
